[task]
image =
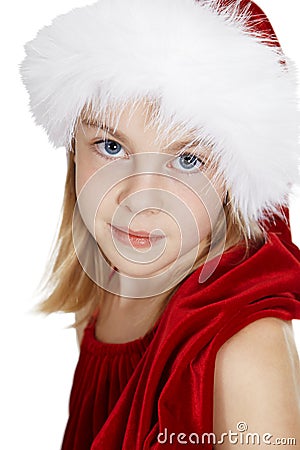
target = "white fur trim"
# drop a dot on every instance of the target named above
(207, 70)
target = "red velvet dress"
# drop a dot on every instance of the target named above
(124, 395)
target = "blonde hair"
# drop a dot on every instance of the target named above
(66, 287)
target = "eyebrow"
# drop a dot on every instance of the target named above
(174, 148)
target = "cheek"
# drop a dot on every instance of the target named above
(201, 223)
(84, 171)
(204, 212)
(107, 206)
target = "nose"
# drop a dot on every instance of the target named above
(141, 193)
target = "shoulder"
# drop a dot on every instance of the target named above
(257, 380)
(264, 337)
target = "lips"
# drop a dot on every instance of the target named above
(137, 239)
(139, 233)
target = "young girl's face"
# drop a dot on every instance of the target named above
(127, 183)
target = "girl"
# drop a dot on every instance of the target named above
(174, 251)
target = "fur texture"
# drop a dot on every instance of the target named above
(200, 63)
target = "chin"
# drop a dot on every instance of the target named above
(139, 270)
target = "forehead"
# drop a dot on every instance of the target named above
(141, 116)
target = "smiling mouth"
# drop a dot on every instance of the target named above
(144, 234)
(138, 239)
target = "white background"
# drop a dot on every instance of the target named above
(38, 355)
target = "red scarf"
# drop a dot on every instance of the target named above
(171, 389)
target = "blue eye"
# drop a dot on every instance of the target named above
(188, 161)
(108, 148)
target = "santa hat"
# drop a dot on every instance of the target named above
(212, 66)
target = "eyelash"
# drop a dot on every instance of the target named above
(110, 158)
